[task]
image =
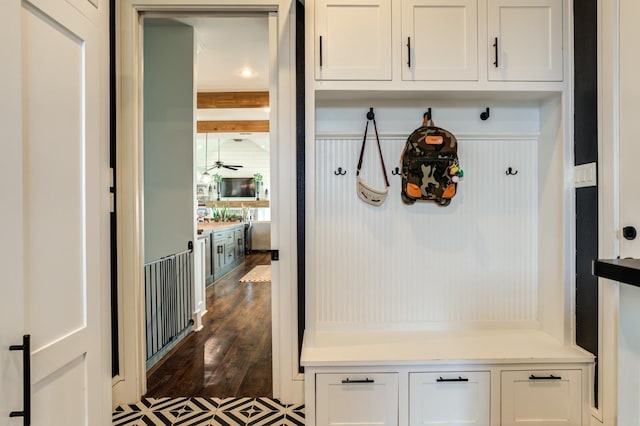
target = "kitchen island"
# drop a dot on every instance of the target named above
(224, 242)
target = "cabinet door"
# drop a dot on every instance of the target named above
(353, 40)
(535, 398)
(525, 40)
(457, 398)
(440, 40)
(230, 252)
(357, 399)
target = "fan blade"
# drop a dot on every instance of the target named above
(230, 167)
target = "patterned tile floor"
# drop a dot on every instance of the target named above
(203, 411)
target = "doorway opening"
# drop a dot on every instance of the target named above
(129, 384)
(217, 198)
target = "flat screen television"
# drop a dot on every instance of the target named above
(238, 187)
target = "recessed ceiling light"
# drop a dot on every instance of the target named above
(246, 72)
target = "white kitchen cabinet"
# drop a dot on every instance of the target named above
(440, 40)
(449, 398)
(357, 399)
(353, 40)
(525, 40)
(541, 398)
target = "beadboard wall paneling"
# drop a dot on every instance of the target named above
(473, 261)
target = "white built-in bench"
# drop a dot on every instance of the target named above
(479, 377)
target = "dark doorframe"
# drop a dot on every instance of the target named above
(300, 172)
(586, 151)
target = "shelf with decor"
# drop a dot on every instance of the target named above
(237, 203)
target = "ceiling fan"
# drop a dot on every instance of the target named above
(218, 164)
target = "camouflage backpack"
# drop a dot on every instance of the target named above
(430, 169)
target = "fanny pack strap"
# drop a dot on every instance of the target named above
(364, 142)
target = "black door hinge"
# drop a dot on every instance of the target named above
(275, 255)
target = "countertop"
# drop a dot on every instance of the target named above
(623, 270)
(204, 227)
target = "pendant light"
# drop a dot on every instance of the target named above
(206, 177)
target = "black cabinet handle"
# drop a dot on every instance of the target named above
(549, 377)
(349, 381)
(409, 52)
(495, 45)
(25, 347)
(459, 379)
(320, 51)
(219, 249)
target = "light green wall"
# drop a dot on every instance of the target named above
(168, 137)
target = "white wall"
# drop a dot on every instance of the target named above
(168, 137)
(490, 259)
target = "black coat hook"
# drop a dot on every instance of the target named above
(511, 172)
(427, 114)
(396, 171)
(485, 114)
(340, 172)
(371, 115)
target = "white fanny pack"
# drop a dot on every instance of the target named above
(366, 192)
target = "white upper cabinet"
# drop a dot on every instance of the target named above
(353, 40)
(440, 40)
(525, 40)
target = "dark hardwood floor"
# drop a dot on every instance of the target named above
(231, 355)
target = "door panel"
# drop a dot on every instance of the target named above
(58, 185)
(54, 238)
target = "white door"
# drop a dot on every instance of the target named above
(54, 190)
(525, 40)
(628, 361)
(629, 127)
(440, 40)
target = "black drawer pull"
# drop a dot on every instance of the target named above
(349, 382)
(495, 45)
(459, 379)
(549, 377)
(25, 347)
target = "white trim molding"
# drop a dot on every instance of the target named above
(608, 293)
(132, 381)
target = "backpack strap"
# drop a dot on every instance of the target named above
(364, 142)
(427, 121)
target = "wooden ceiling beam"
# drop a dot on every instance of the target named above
(233, 100)
(233, 126)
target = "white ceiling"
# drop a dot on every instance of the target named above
(225, 46)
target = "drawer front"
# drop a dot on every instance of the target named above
(357, 399)
(541, 397)
(239, 233)
(449, 398)
(226, 235)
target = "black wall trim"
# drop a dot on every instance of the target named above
(300, 171)
(115, 359)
